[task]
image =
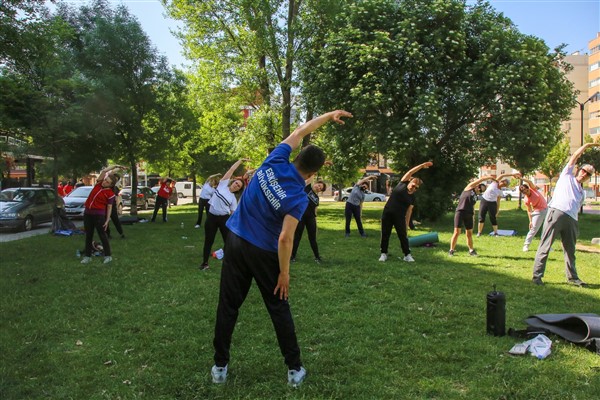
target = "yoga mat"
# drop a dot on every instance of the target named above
(576, 328)
(420, 240)
(504, 232)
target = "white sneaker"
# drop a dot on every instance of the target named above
(86, 260)
(408, 258)
(107, 259)
(196, 226)
(295, 378)
(219, 374)
(525, 248)
(383, 257)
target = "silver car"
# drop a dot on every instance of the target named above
(369, 196)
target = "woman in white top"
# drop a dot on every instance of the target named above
(207, 191)
(490, 201)
(222, 204)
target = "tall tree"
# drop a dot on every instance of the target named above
(555, 161)
(440, 81)
(115, 50)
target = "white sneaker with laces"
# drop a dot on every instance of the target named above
(107, 259)
(408, 258)
(86, 260)
(525, 248)
(383, 257)
(219, 374)
(295, 378)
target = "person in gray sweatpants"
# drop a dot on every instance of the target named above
(562, 217)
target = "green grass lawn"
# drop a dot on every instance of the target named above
(142, 326)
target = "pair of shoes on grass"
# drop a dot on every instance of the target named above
(87, 260)
(295, 377)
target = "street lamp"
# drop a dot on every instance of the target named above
(581, 106)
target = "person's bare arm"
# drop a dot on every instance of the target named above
(579, 152)
(300, 132)
(407, 176)
(232, 169)
(284, 253)
(477, 182)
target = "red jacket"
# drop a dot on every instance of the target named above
(98, 199)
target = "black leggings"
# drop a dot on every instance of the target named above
(213, 223)
(398, 221)
(352, 210)
(91, 222)
(202, 205)
(311, 228)
(486, 206)
(161, 202)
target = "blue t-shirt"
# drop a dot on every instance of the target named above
(276, 190)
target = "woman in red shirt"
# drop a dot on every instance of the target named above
(162, 197)
(98, 207)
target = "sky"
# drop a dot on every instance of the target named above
(573, 22)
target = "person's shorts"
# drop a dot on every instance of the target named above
(462, 218)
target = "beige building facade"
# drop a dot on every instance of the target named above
(594, 86)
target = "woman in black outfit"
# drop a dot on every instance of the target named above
(309, 220)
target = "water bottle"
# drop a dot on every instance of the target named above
(78, 253)
(496, 313)
(182, 225)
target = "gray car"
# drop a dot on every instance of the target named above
(369, 196)
(145, 197)
(75, 202)
(23, 208)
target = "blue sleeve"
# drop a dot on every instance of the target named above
(283, 150)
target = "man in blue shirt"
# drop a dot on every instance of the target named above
(260, 245)
(562, 217)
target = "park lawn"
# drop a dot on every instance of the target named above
(142, 326)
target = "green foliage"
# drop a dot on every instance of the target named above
(591, 155)
(439, 81)
(142, 326)
(555, 160)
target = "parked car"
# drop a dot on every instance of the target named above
(173, 199)
(509, 194)
(75, 202)
(145, 197)
(369, 196)
(23, 208)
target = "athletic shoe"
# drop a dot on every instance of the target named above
(364, 235)
(525, 248)
(295, 378)
(473, 253)
(577, 282)
(383, 257)
(537, 281)
(451, 253)
(197, 226)
(318, 260)
(86, 260)
(204, 267)
(495, 234)
(408, 258)
(107, 259)
(293, 259)
(478, 234)
(219, 374)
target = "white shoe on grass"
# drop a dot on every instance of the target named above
(86, 260)
(107, 259)
(219, 374)
(295, 378)
(383, 257)
(408, 258)
(525, 248)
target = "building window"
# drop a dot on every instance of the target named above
(595, 82)
(594, 114)
(594, 50)
(595, 131)
(594, 66)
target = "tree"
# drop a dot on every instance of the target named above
(554, 162)
(115, 51)
(255, 45)
(439, 81)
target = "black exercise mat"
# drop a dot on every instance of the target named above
(576, 328)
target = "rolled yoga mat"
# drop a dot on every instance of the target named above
(420, 240)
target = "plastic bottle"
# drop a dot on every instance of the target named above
(78, 253)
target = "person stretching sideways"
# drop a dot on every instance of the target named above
(465, 212)
(562, 217)
(490, 201)
(537, 208)
(259, 246)
(398, 210)
(354, 205)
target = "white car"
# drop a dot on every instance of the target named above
(75, 202)
(509, 194)
(369, 196)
